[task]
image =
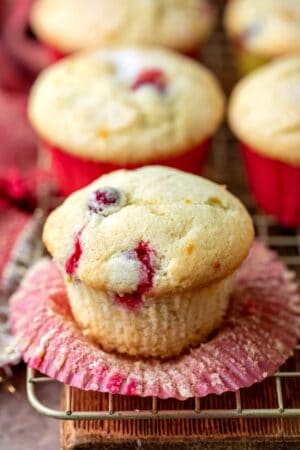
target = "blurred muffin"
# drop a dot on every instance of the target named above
(72, 25)
(264, 112)
(110, 109)
(262, 30)
(148, 257)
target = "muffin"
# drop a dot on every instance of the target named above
(264, 113)
(148, 257)
(262, 30)
(123, 108)
(72, 25)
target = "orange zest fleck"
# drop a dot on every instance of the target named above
(190, 249)
(103, 133)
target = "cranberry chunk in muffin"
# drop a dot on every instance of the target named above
(159, 267)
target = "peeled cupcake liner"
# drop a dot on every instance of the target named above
(258, 335)
(275, 186)
(73, 173)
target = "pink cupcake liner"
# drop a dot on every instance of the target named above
(275, 186)
(259, 334)
(73, 173)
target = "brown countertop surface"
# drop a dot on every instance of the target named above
(21, 427)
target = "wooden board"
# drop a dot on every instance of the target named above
(229, 434)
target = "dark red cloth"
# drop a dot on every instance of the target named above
(22, 57)
(20, 177)
(12, 223)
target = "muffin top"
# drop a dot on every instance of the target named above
(126, 105)
(152, 229)
(266, 27)
(71, 25)
(264, 110)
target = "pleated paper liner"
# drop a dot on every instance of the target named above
(275, 186)
(258, 335)
(56, 54)
(73, 172)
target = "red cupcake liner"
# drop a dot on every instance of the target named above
(275, 186)
(259, 334)
(57, 55)
(73, 173)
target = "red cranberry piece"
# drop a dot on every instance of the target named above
(132, 302)
(144, 254)
(72, 262)
(103, 198)
(154, 77)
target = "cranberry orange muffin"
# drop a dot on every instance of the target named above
(105, 110)
(72, 25)
(148, 258)
(264, 113)
(263, 30)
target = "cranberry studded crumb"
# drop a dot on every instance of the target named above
(154, 77)
(72, 262)
(144, 254)
(102, 199)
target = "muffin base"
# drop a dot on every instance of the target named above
(275, 186)
(73, 173)
(161, 327)
(259, 333)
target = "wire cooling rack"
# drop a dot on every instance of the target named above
(276, 397)
(287, 244)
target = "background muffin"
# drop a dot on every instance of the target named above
(148, 257)
(264, 112)
(72, 25)
(104, 110)
(262, 30)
